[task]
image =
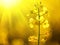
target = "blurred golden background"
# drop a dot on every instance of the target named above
(24, 22)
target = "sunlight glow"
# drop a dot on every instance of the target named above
(9, 3)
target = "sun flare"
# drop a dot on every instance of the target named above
(9, 3)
